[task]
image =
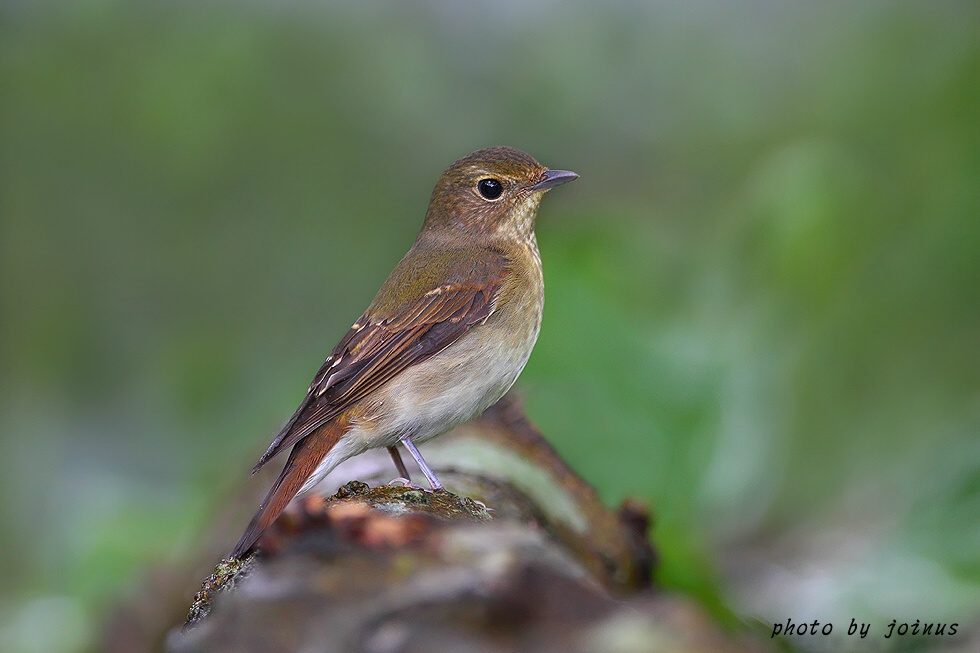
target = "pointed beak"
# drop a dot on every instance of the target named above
(552, 178)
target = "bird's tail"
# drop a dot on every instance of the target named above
(303, 460)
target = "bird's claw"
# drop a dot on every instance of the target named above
(404, 482)
(483, 505)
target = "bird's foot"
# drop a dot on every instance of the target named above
(404, 482)
(482, 505)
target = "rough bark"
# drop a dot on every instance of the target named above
(520, 555)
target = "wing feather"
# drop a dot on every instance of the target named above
(377, 348)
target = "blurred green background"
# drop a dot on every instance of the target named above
(762, 316)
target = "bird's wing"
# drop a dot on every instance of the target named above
(383, 343)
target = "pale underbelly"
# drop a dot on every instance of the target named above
(433, 397)
(444, 391)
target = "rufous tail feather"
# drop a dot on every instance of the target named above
(302, 462)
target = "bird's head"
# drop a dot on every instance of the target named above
(492, 192)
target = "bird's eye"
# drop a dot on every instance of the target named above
(490, 189)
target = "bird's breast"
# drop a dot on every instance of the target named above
(467, 377)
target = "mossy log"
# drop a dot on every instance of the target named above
(518, 554)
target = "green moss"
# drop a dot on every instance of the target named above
(225, 575)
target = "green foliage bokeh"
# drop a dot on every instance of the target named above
(762, 312)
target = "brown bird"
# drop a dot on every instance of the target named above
(446, 336)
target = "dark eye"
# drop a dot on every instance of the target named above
(491, 189)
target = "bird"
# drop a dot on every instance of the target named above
(445, 337)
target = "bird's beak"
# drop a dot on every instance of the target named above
(552, 178)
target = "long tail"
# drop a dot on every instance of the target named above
(303, 461)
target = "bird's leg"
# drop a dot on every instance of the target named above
(433, 481)
(404, 480)
(396, 457)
